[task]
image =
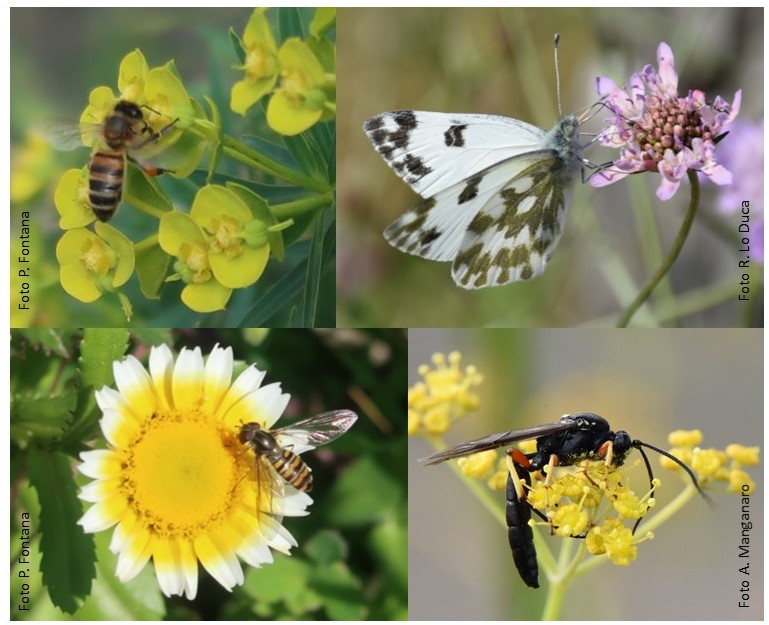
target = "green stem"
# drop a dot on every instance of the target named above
(694, 202)
(290, 210)
(484, 495)
(248, 156)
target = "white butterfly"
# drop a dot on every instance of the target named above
(496, 190)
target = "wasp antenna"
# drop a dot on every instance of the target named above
(638, 444)
(556, 39)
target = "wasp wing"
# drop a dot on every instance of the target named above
(315, 431)
(501, 439)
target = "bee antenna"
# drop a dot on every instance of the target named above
(556, 38)
(639, 446)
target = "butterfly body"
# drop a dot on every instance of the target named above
(496, 190)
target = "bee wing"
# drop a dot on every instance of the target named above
(315, 431)
(501, 439)
(67, 136)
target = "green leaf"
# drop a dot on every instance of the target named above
(323, 20)
(67, 552)
(42, 417)
(283, 580)
(340, 592)
(141, 190)
(314, 271)
(389, 542)
(326, 547)
(237, 45)
(289, 23)
(151, 268)
(353, 502)
(99, 348)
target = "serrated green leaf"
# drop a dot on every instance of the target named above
(41, 417)
(99, 348)
(68, 555)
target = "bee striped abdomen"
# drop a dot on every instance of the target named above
(292, 469)
(105, 183)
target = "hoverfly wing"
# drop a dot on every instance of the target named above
(494, 441)
(315, 431)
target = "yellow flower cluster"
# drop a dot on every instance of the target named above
(444, 396)
(713, 465)
(299, 75)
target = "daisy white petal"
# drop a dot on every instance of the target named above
(178, 484)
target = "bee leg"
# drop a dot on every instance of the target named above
(150, 170)
(154, 136)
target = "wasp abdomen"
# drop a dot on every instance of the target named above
(519, 532)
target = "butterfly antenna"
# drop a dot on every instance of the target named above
(556, 38)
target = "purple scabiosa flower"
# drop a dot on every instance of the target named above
(743, 154)
(657, 130)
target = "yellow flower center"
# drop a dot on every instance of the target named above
(227, 236)
(295, 85)
(97, 257)
(181, 474)
(195, 257)
(260, 63)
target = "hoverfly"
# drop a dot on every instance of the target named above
(123, 131)
(582, 436)
(277, 451)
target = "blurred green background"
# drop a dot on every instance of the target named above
(500, 61)
(647, 382)
(359, 511)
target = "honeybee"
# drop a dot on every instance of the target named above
(278, 448)
(123, 130)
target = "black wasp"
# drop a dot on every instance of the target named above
(582, 436)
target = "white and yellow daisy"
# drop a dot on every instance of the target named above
(176, 482)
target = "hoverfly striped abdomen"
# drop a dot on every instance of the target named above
(286, 463)
(292, 469)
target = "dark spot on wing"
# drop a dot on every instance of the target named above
(453, 136)
(471, 189)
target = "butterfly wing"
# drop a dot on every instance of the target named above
(432, 152)
(439, 156)
(516, 229)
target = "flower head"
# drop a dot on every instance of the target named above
(91, 264)
(743, 154)
(260, 65)
(656, 130)
(176, 482)
(443, 397)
